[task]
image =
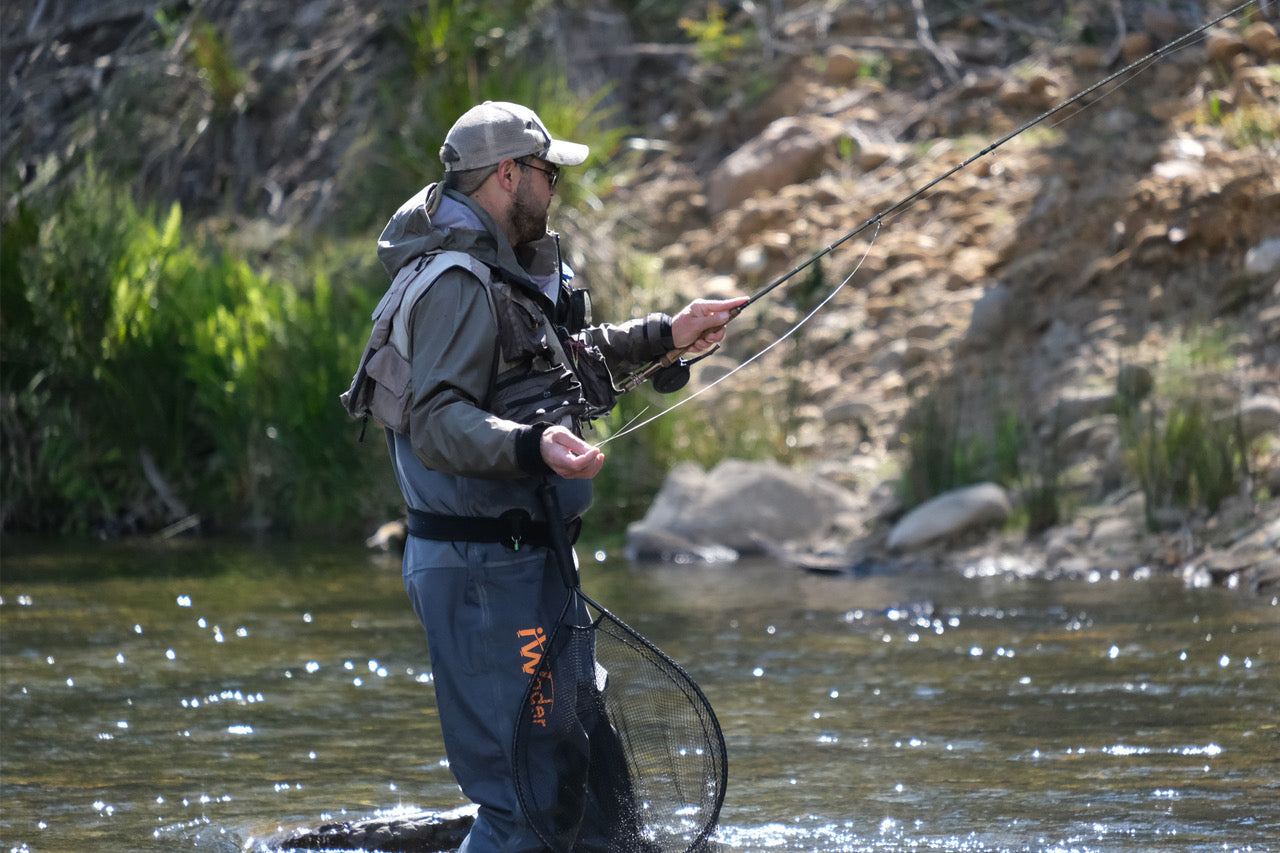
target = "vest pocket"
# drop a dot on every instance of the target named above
(527, 396)
(391, 374)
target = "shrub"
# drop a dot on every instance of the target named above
(125, 340)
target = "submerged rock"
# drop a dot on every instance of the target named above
(428, 832)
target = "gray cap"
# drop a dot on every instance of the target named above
(498, 130)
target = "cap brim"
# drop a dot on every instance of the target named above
(566, 153)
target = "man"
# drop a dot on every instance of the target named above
(484, 371)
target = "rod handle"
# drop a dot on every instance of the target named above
(559, 536)
(672, 356)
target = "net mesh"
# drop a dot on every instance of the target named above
(616, 748)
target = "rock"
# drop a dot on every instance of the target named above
(1261, 38)
(1222, 568)
(1176, 170)
(1134, 47)
(950, 514)
(751, 260)
(1076, 405)
(873, 156)
(1134, 382)
(788, 151)
(842, 65)
(652, 545)
(1263, 258)
(1183, 148)
(427, 832)
(1062, 544)
(827, 559)
(1117, 533)
(990, 317)
(1059, 342)
(1224, 46)
(850, 411)
(1267, 578)
(1094, 435)
(733, 505)
(1162, 23)
(1259, 415)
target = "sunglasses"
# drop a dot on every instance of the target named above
(553, 174)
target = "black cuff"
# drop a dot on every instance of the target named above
(658, 337)
(529, 450)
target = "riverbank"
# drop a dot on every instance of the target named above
(1090, 314)
(1090, 310)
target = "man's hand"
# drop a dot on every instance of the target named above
(570, 456)
(700, 324)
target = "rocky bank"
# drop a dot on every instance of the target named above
(1046, 278)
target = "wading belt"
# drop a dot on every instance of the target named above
(514, 529)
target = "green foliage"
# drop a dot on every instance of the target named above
(874, 65)
(123, 339)
(1184, 455)
(942, 457)
(211, 54)
(1184, 446)
(945, 451)
(660, 20)
(456, 54)
(715, 40)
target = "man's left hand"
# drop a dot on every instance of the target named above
(570, 456)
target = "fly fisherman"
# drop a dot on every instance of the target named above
(484, 371)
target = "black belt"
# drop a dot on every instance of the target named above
(513, 529)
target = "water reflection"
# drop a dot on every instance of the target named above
(208, 697)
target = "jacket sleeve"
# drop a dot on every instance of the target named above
(454, 337)
(634, 343)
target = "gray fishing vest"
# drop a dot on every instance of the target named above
(535, 381)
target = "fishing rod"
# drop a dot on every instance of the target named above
(671, 372)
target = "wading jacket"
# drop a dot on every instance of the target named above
(485, 363)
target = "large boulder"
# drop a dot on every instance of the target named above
(737, 505)
(788, 151)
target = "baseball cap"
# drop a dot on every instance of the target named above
(494, 131)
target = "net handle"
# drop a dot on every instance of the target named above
(558, 535)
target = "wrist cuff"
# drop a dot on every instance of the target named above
(658, 337)
(529, 450)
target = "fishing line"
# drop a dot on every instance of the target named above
(632, 427)
(911, 198)
(627, 426)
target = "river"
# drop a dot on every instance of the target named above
(207, 695)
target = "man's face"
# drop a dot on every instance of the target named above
(530, 205)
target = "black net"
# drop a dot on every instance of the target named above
(616, 748)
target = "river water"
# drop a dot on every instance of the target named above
(205, 696)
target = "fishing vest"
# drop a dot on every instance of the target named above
(540, 376)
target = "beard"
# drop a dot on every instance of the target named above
(528, 217)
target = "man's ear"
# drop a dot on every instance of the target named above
(507, 174)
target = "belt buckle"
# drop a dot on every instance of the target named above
(515, 521)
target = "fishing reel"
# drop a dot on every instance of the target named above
(673, 377)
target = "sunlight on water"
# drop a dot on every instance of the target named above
(226, 695)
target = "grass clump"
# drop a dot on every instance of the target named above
(953, 440)
(1184, 443)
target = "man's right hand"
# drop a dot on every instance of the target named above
(570, 456)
